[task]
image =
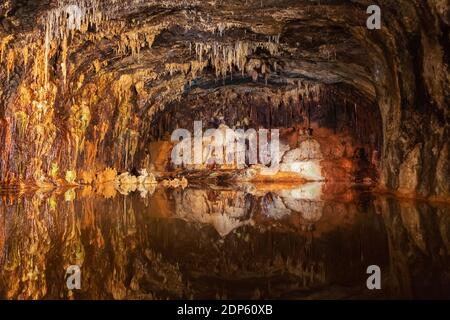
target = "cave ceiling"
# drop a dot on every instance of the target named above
(165, 43)
(83, 79)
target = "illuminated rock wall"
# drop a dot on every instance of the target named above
(86, 85)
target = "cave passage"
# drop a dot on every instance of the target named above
(133, 132)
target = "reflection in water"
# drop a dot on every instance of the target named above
(313, 241)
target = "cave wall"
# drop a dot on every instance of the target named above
(73, 93)
(410, 63)
(344, 145)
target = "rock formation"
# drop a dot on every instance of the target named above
(87, 85)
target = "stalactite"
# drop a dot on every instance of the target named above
(356, 120)
(10, 63)
(25, 53)
(275, 38)
(175, 67)
(224, 57)
(64, 59)
(61, 23)
(3, 45)
(221, 28)
(133, 42)
(47, 51)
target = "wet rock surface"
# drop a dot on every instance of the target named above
(84, 80)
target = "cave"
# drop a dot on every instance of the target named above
(224, 149)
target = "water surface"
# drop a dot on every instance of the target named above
(252, 242)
